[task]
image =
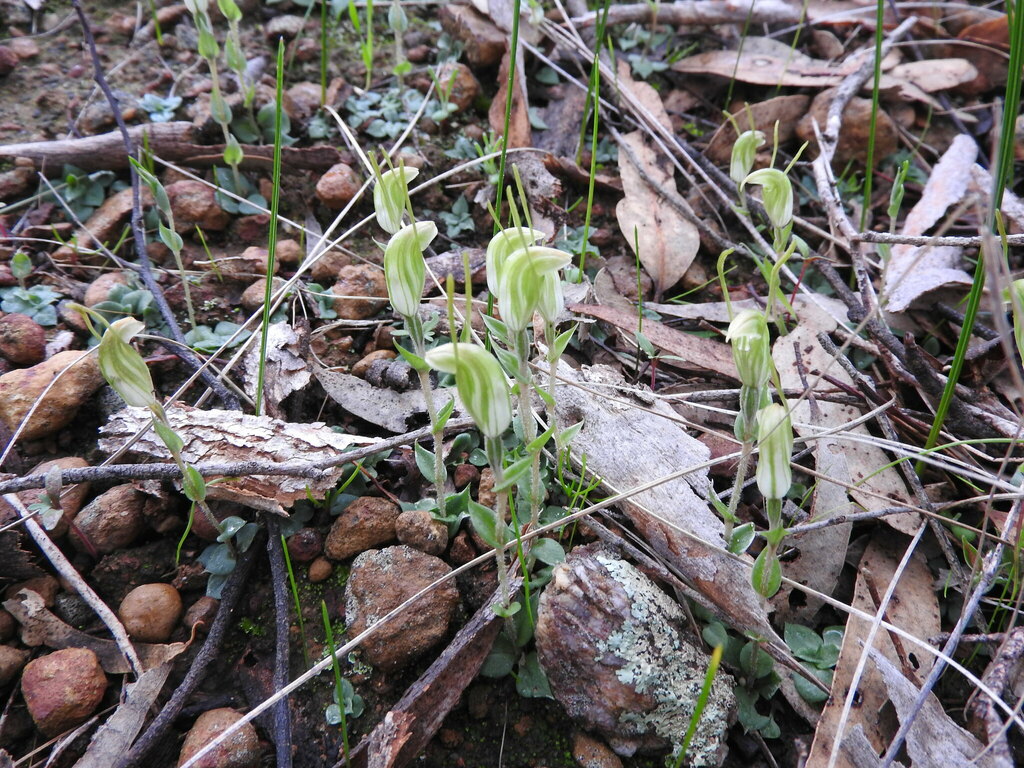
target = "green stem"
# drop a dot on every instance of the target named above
(522, 348)
(415, 328)
(495, 453)
(734, 499)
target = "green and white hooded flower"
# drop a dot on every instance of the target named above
(404, 268)
(481, 384)
(775, 440)
(751, 349)
(504, 244)
(389, 196)
(524, 283)
(776, 194)
(122, 365)
(744, 150)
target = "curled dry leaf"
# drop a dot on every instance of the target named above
(41, 627)
(286, 369)
(876, 484)
(664, 514)
(934, 740)
(914, 608)
(228, 436)
(916, 270)
(649, 217)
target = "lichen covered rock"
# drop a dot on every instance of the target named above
(620, 659)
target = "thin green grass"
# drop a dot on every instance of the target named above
(1000, 177)
(513, 54)
(338, 687)
(275, 201)
(295, 598)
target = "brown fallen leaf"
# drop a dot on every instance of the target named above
(693, 352)
(227, 436)
(519, 117)
(41, 627)
(665, 242)
(914, 608)
(114, 738)
(914, 271)
(664, 513)
(876, 484)
(934, 740)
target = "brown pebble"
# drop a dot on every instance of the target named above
(150, 612)
(46, 587)
(240, 750)
(7, 626)
(588, 752)
(63, 689)
(418, 529)
(304, 545)
(202, 612)
(361, 292)
(22, 339)
(320, 570)
(12, 661)
(338, 186)
(465, 474)
(360, 368)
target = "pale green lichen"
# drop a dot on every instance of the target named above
(659, 663)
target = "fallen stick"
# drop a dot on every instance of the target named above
(174, 142)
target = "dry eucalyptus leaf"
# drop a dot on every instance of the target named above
(643, 93)
(114, 738)
(934, 740)
(229, 436)
(916, 270)
(876, 484)
(41, 627)
(660, 514)
(665, 241)
(936, 74)
(914, 608)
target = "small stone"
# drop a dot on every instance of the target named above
(320, 570)
(588, 752)
(22, 339)
(71, 496)
(73, 610)
(150, 612)
(305, 101)
(15, 184)
(338, 186)
(361, 291)
(7, 626)
(458, 81)
(63, 689)
(11, 663)
(465, 474)
(252, 262)
(380, 581)
(462, 550)
(360, 368)
(328, 265)
(8, 60)
(418, 529)
(288, 27)
(240, 750)
(111, 521)
(418, 54)
(367, 522)
(252, 297)
(99, 289)
(195, 204)
(202, 612)
(20, 390)
(485, 43)
(485, 492)
(24, 47)
(305, 545)
(289, 251)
